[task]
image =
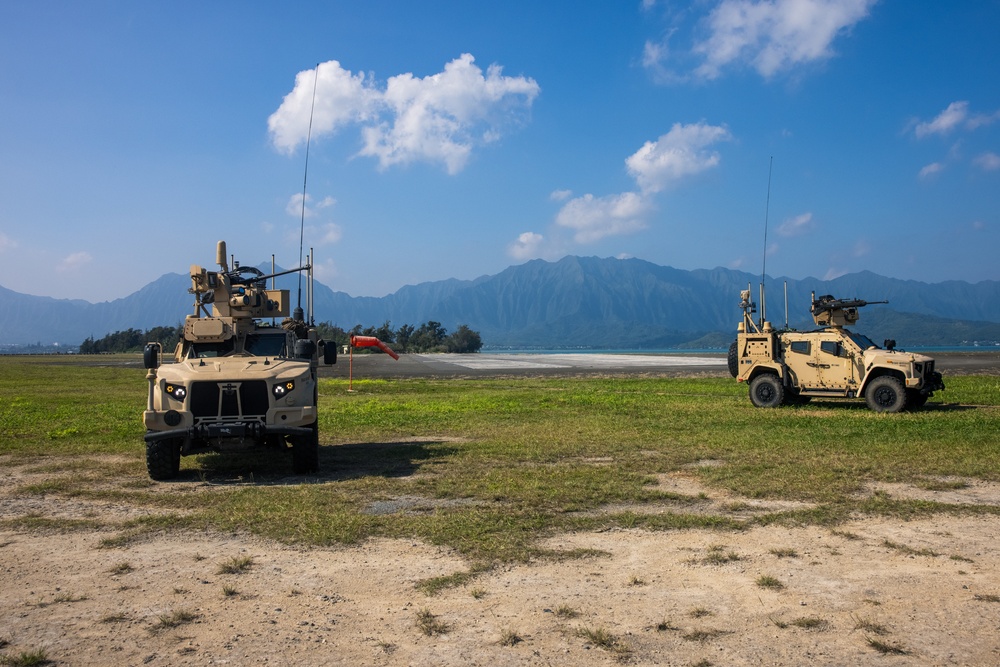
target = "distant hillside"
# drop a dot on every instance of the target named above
(577, 301)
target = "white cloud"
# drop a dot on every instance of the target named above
(593, 218)
(680, 152)
(945, 121)
(683, 151)
(6, 243)
(861, 248)
(931, 169)
(527, 246)
(294, 205)
(341, 98)
(988, 161)
(74, 261)
(440, 118)
(796, 226)
(774, 35)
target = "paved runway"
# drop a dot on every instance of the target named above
(488, 364)
(497, 364)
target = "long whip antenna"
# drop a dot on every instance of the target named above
(305, 180)
(763, 268)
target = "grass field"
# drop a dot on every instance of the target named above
(491, 466)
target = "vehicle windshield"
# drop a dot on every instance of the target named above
(265, 345)
(205, 350)
(861, 340)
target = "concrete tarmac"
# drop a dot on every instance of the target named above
(378, 365)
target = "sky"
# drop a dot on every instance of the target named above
(453, 139)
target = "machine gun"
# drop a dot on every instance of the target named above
(830, 312)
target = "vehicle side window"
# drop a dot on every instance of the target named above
(831, 347)
(800, 346)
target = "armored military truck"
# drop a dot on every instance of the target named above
(788, 367)
(238, 378)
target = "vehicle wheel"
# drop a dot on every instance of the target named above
(766, 391)
(305, 452)
(914, 399)
(734, 359)
(885, 394)
(163, 458)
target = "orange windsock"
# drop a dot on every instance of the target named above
(371, 341)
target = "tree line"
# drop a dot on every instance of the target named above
(430, 336)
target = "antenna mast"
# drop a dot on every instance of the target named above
(305, 177)
(763, 268)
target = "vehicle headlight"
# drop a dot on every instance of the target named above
(175, 391)
(282, 389)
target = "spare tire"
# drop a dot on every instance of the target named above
(734, 360)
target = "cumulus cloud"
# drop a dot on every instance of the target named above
(682, 151)
(772, 36)
(527, 246)
(592, 218)
(340, 98)
(657, 165)
(796, 226)
(988, 161)
(74, 261)
(439, 118)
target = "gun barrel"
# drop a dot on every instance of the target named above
(243, 281)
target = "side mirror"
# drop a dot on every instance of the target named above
(304, 348)
(151, 356)
(329, 353)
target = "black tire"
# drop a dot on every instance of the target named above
(766, 391)
(305, 452)
(734, 359)
(163, 459)
(915, 400)
(885, 394)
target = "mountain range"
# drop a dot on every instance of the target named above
(574, 302)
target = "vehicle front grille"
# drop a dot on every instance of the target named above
(229, 399)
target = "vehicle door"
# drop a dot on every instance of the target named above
(832, 362)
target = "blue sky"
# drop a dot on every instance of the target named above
(454, 139)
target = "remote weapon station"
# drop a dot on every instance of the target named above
(237, 380)
(787, 366)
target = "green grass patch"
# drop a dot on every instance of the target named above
(490, 467)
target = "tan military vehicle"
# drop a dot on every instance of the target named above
(238, 377)
(787, 367)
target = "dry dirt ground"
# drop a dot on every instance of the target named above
(875, 591)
